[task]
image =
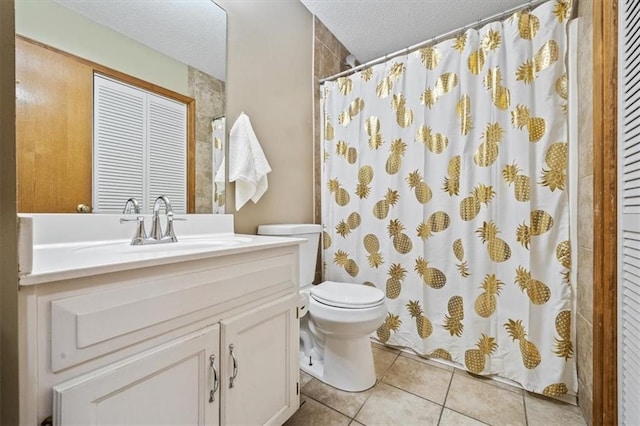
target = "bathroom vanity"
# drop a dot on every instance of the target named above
(203, 331)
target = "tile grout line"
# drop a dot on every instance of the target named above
(378, 381)
(446, 395)
(329, 407)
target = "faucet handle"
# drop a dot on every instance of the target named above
(141, 233)
(169, 233)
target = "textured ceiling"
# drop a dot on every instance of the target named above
(370, 29)
(191, 31)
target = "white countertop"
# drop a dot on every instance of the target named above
(62, 247)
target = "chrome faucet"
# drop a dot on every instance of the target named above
(156, 229)
(156, 235)
(131, 202)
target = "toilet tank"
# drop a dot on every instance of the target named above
(308, 250)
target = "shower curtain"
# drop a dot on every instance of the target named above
(444, 185)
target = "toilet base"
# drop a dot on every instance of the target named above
(350, 364)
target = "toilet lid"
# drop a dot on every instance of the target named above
(346, 295)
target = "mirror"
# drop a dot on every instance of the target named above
(174, 48)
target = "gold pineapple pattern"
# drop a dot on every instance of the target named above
(556, 158)
(441, 353)
(460, 42)
(541, 222)
(520, 182)
(326, 240)
(500, 95)
(345, 85)
(355, 107)
(329, 132)
(372, 246)
(372, 127)
(498, 249)
(341, 258)
(391, 323)
(432, 277)
(487, 152)
(422, 191)
(394, 161)
(453, 321)
(491, 189)
(444, 84)
(435, 142)
(528, 24)
(536, 126)
(348, 152)
(430, 57)
(401, 241)
(555, 389)
(394, 283)
(452, 181)
(537, 291)
(404, 115)
(562, 10)
(437, 222)
(423, 325)
(471, 205)
(563, 254)
(340, 194)
(475, 62)
(547, 55)
(475, 359)
(530, 355)
(381, 208)
(563, 345)
(463, 111)
(487, 302)
(365, 176)
(458, 251)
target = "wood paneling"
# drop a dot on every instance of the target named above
(54, 110)
(605, 57)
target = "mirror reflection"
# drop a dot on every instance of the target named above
(119, 102)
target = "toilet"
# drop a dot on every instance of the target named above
(336, 318)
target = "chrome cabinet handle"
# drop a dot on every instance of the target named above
(235, 366)
(214, 373)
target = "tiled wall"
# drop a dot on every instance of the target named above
(328, 59)
(209, 94)
(584, 315)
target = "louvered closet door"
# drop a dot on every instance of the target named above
(167, 122)
(629, 215)
(119, 135)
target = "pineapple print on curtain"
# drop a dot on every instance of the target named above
(445, 186)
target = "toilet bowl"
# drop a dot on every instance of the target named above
(334, 334)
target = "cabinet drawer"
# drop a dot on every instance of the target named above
(92, 324)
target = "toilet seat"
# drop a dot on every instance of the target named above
(346, 295)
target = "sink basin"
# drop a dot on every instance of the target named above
(187, 244)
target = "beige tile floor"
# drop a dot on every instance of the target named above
(415, 391)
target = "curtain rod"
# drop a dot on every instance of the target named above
(434, 40)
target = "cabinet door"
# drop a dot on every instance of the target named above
(264, 387)
(169, 384)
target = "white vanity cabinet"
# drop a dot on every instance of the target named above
(135, 347)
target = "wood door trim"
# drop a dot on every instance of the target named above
(134, 81)
(605, 216)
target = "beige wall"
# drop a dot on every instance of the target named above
(584, 315)
(269, 77)
(8, 261)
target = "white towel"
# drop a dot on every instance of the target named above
(248, 167)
